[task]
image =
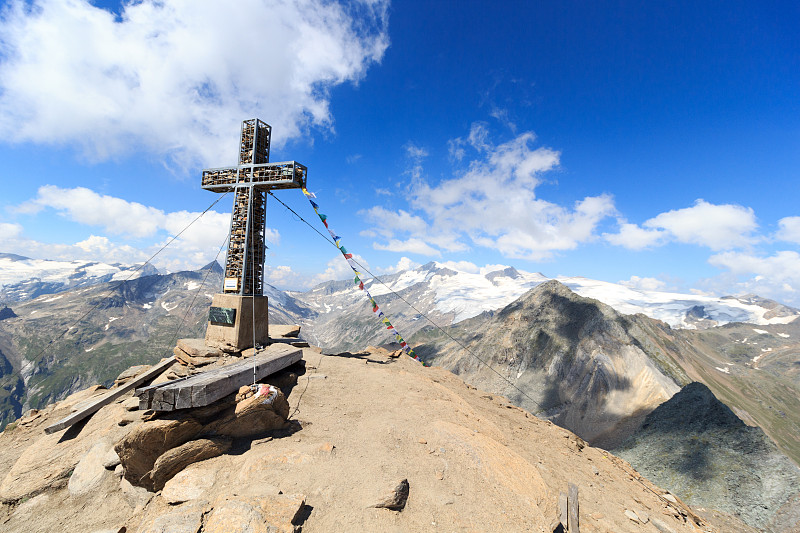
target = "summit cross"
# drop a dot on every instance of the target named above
(249, 181)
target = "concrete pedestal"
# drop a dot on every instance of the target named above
(238, 336)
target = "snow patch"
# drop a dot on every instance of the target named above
(192, 285)
(784, 335)
(761, 331)
(167, 308)
(725, 370)
(147, 306)
(54, 298)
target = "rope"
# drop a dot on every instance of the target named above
(420, 313)
(253, 295)
(118, 285)
(196, 292)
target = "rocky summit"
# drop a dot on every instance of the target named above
(570, 359)
(366, 441)
(697, 446)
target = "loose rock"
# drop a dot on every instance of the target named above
(395, 500)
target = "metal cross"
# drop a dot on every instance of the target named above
(250, 180)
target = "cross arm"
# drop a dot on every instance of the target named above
(265, 176)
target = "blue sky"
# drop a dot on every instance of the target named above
(654, 145)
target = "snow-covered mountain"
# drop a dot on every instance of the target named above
(23, 278)
(448, 296)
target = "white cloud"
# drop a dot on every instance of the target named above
(462, 266)
(93, 248)
(493, 204)
(647, 284)
(384, 220)
(412, 246)
(789, 229)
(633, 237)
(775, 276)
(9, 230)
(719, 227)
(337, 269)
(117, 216)
(403, 264)
(199, 241)
(176, 77)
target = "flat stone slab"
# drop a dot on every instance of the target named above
(207, 387)
(198, 348)
(283, 330)
(294, 341)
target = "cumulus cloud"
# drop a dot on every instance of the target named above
(774, 276)
(719, 227)
(337, 269)
(789, 229)
(9, 231)
(412, 246)
(633, 237)
(647, 284)
(196, 245)
(176, 77)
(403, 264)
(492, 204)
(93, 248)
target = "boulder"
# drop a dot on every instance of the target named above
(271, 514)
(189, 484)
(139, 449)
(131, 404)
(90, 469)
(173, 461)
(131, 373)
(266, 410)
(186, 518)
(50, 459)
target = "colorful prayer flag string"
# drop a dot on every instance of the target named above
(350, 261)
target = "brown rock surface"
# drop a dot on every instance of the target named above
(176, 459)
(198, 348)
(283, 330)
(139, 449)
(502, 468)
(273, 514)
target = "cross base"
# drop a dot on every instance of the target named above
(230, 325)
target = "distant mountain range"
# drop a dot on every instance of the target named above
(23, 278)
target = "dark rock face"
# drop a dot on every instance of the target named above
(7, 312)
(695, 446)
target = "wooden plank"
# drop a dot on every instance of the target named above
(572, 500)
(109, 397)
(562, 510)
(207, 387)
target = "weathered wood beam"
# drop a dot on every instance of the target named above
(109, 397)
(572, 500)
(207, 387)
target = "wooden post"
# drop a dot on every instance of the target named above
(572, 501)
